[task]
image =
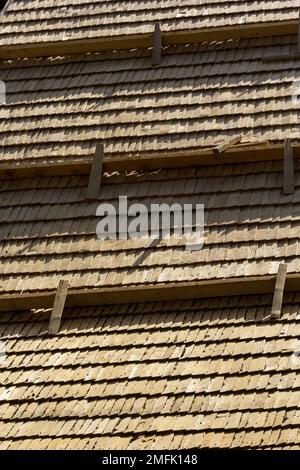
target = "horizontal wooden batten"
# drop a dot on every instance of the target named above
(282, 57)
(67, 47)
(175, 159)
(150, 293)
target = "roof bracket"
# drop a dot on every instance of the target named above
(58, 307)
(96, 173)
(278, 292)
(298, 40)
(288, 170)
(227, 144)
(157, 45)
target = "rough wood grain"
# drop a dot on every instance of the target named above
(288, 172)
(228, 144)
(60, 48)
(172, 291)
(96, 173)
(278, 292)
(157, 45)
(58, 307)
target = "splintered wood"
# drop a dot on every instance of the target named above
(227, 144)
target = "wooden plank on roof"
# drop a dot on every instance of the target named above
(144, 40)
(96, 173)
(227, 144)
(280, 57)
(58, 307)
(288, 169)
(7, 4)
(155, 292)
(278, 292)
(298, 39)
(157, 45)
(258, 151)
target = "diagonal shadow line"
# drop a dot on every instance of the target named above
(146, 253)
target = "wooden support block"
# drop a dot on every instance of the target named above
(6, 5)
(157, 45)
(96, 173)
(227, 144)
(278, 292)
(298, 40)
(288, 170)
(58, 307)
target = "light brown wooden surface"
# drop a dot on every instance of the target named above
(58, 307)
(279, 291)
(48, 228)
(33, 26)
(60, 108)
(288, 175)
(95, 177)
(169, 375)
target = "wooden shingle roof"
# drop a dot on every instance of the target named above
(199, 96)
(211, 371)
(41, 21)
(48, 229)
(169, 375)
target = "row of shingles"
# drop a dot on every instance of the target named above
(118, 61)
(168, 10)
(239, 235)
(44, 4)
(65, 345)
(83, 58)
(18, 193)
(89, 107)
(176, 17)
(159, 427)
(23, 367)
(125, 258)
(148, 267)
(124, 317)
(35, 347)
(115, 142)
(287, 439)
(86, 105)
(25, 268)
(253, 109)
(22, 195)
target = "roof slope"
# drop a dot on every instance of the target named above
(201, 373)
(38, 21)
(199, 96)
(168, 375)
(48, 228)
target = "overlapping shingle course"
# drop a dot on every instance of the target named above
(47, 21)
(198, 97)
(176, 375)
(202, 373)
(48, 229)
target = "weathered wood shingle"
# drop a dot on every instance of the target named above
(170, 375)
